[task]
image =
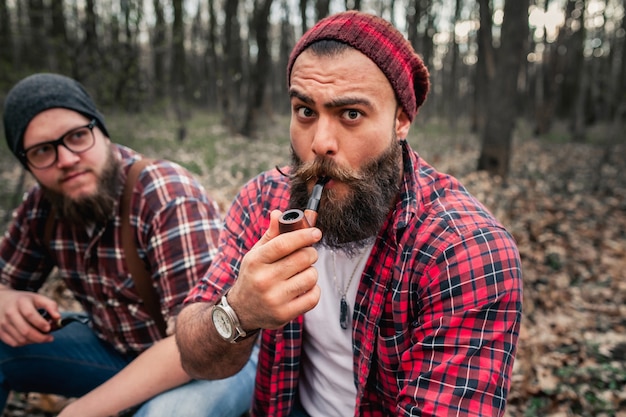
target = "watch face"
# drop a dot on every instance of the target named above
(222, 323)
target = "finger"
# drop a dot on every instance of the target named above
(40, 312)
(287, 243)
(18, 332)
(298, 297)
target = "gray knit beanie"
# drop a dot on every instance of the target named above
(40, 92)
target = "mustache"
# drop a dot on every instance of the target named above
(324, 167)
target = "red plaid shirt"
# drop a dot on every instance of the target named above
(177, 227)
(438, 308)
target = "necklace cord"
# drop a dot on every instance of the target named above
(344, 308)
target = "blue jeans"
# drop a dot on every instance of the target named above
(78, 361)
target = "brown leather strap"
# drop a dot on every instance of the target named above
(137, 268)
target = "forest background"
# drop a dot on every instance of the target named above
(527, 108)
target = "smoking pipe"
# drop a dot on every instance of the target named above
(296, 219)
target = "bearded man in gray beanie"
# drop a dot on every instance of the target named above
(116, 354)
(404, 299)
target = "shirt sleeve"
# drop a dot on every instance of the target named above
(246, 221)
(467, 328)
(24, 261)
(179, 225)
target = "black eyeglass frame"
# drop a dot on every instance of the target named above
(61, 141)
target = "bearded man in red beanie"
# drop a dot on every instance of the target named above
(403, 299)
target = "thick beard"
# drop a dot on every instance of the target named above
(93, 209)
(348, 223)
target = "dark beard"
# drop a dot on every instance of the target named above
(93, 209)
(347, 224)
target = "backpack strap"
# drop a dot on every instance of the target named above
(137, 268)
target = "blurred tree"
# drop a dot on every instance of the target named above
(453, 76)
(178, 70)
(352, 4)
(6, 52)
(322, 8)
(232, 68)
(286, 42)
(303, 15)
(619, 98)
(502, 112)
(262, 68)
(214, 70)
(577, 81)
(485, 66)
(159, 49)
(127, 91)
(61, 49)
(89, 59)
(36, 46)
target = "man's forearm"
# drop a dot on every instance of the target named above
(156, 370)
(204, 355)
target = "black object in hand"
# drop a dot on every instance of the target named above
(66, 318)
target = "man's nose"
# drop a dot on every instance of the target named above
(65, 157)
(325, 141)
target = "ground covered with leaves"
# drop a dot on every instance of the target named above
(565, 204)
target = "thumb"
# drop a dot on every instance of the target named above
(272, 231)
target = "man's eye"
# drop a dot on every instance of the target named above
(42, 150)
(304, 112)
(76, 136)
(352, 114)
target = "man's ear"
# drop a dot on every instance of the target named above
(403, 124)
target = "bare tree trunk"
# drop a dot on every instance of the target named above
(178, 70)
(322, 9)
(452, 96)
(60, 47)
(159, 49)
(214, 73)
(485, 67)
(287, 40)
(502, 112)
(91, 43)
(262, 67)
(578, 81)
(231, 70)
(6, 52)
(619, 117)
(303, 5)
(37, 45)
(413, 18)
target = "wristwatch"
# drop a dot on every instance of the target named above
(227, 323)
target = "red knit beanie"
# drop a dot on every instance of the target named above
(377, 39)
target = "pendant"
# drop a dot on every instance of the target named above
(343, 313)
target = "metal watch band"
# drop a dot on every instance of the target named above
(239, 334)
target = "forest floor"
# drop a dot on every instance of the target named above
(565, 204)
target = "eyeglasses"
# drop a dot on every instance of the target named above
(45, 154)
(65, 319)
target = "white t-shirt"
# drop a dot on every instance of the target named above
(326, 385)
